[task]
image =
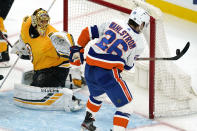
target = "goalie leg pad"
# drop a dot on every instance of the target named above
(45, 98)
(38, 98)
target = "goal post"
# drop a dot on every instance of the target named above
(152, 68)
(65, 15)
(169, 87)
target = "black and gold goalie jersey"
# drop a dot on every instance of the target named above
(43, 53)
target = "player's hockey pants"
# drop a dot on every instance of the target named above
(102, 81)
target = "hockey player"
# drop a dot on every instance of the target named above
(36, 43)
(117, 47)
(5, 6)
(42, 44)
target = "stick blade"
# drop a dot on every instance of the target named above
(183, 51)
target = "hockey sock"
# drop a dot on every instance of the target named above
(120, 121)
(93, 105)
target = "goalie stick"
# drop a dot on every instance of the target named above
(179, 54)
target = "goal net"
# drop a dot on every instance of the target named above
(170, 92)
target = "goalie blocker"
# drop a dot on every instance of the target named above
(45, 98)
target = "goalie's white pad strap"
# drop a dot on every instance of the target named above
(44, 98)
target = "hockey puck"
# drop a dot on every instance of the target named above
(1, 77)
(178, 51)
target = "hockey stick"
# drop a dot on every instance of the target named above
(12, 67)
(9, 71)
(1, 76)
(2, 35)
(51, 5)
(179, 54)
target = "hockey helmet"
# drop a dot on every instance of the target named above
(140, 15)
(40, 20)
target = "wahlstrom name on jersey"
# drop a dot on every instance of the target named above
(126, 37)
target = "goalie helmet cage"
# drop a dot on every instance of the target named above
(170, 92)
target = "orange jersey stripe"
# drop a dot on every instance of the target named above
(102, 64)
(92, 107)
(124, 88)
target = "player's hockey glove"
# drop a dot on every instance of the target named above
(76, 55)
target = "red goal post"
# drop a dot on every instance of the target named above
(79, 14)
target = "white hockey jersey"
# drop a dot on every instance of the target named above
(117, 46)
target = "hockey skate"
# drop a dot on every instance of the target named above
(87, 124)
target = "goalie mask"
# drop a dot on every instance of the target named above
(40, 20)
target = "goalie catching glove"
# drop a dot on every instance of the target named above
(62, 41)
(76, 55)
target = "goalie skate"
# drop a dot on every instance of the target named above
(77, 104)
